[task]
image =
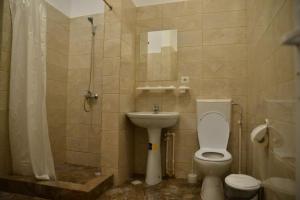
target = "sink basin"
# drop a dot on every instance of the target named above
(154, 122)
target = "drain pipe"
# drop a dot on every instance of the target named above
(170, 172)
(167, 153)
(240, 123)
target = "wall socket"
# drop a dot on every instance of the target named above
(185, 79)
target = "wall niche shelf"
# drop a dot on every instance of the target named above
(183, 89)
(156, 88)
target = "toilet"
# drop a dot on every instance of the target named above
(213, 159)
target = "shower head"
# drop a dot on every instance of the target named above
(91, 20)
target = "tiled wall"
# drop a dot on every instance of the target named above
(127, 89)
(57, 69)
(118, 90)
(76, 135)
(83, 129)
(5, 48)
(212, 51)
(272, 87)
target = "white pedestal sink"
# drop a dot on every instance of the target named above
(154, 122)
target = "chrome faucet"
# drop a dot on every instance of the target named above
(155, 108)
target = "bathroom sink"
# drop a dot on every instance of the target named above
(153, 120)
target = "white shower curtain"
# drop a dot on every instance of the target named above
(29, 140)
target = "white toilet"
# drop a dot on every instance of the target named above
(213, 159)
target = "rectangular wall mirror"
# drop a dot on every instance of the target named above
(158, 56)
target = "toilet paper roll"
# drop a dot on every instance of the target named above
(258, 135)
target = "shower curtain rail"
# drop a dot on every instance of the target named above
(110, 7)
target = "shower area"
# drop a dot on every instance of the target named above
(89, 68)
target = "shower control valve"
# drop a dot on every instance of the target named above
(90, 95)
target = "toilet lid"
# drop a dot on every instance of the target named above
(213, 131)
(242, 182)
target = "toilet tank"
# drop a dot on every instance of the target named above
(222, 106)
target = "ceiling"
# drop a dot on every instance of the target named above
(77, 8)
(140, 3)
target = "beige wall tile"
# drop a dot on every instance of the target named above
(149, 12)
(224, 36)
(189, 38)
(183, 23)
(223, 5)
(110, 121)
(225, 52)
(111, 103)
(112, 31)
(190, 54)
(111, 84)
(111, 66)
(183, 8)
(112, 48)
(224, 19)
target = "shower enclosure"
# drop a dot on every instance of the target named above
(80, 132)
(55, 113)
(87, 77)
(30, 146)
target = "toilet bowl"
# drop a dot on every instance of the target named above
(213, 159)
(242, 187)
(213, 162)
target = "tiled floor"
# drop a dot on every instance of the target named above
(75, 173)
(9, 196)
(173, 189)
(73, 182)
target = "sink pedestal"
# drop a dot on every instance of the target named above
(153, 174)
(154, 122)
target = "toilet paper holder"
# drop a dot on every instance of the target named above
(260, 134)
(266, 136)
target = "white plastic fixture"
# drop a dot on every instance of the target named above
(213, 131)
(154, 122)
(243, 182)
(292, 38)
(157, 88)
(213, 121)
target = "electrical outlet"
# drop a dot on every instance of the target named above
(185, 79)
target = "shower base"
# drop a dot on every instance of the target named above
(73, 182)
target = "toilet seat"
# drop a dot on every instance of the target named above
(214, 155)
(242, 182)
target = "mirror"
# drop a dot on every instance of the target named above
(158, 56)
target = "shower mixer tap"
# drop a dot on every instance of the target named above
(91, 96)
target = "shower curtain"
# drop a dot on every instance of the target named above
(29, 140)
